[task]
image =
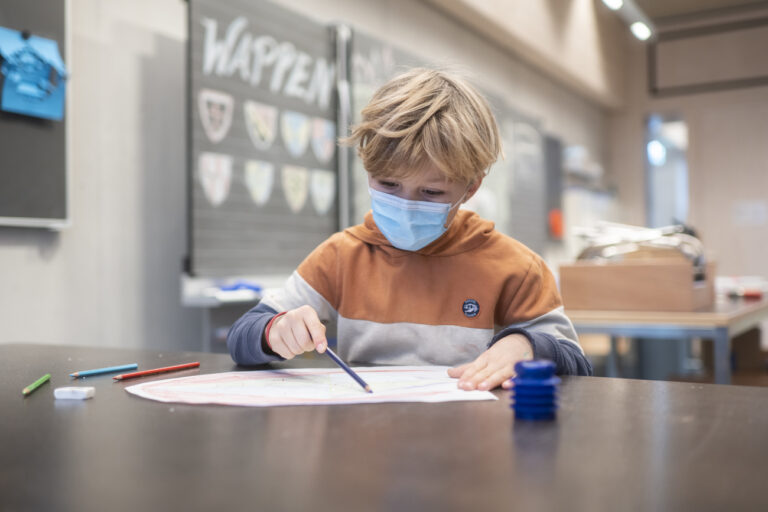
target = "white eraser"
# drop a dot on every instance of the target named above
(74, 392)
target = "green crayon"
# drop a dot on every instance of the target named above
(39, 382)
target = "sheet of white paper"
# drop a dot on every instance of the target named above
(311, 386)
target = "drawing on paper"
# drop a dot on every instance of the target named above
(310, 386)
(323, 139)
(322, 187)
(295, 129)
(216, 109)
(261, 121)
(215, 176)
(259, 178)
(295, 182)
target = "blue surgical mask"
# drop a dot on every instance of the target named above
(409, 225)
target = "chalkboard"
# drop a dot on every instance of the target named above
(262, 131)
(33, 151)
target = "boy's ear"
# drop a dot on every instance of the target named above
(472, 189)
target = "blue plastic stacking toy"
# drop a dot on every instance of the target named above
(534, 395)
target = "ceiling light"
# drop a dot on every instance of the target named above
(640, 30)
(614, 5)
(639, 23)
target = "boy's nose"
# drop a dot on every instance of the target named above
(408, 193)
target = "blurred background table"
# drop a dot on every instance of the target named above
(720, 323)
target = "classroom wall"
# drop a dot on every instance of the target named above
(112, 279)
(727, 163)
(578, 42)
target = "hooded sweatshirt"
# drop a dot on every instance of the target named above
(442, 305)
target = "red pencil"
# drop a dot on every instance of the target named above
(156, 370)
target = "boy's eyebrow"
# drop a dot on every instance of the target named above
(439, 180)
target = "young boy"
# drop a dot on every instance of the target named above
(420, 282)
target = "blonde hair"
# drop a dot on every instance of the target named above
(423, 117)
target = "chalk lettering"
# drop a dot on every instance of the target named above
(321, 85)
(263, 59)
(265, 50)
(216, 53)
(285, 60)
(295, 84)
(241, 60)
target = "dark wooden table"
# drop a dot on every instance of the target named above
(617, 444)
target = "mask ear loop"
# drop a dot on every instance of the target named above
(458, 204)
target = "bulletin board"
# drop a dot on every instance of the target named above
(262, 132)
(33, 151)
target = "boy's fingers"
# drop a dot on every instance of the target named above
(287, 355)
(302, 341)
(317, 333)
(314, 329)
(479, 377)
(469, 378)
(281, 349)
(498, 377)
(288, 336)
(289, 344)
(457, 371)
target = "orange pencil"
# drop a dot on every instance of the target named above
(156, 370)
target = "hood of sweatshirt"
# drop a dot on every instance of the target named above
(466, 232)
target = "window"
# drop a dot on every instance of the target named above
(666, 166)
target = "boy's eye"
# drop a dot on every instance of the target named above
(388, 184)
(433, 193)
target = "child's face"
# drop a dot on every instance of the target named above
(427, 185)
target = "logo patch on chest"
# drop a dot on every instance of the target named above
(470, 308)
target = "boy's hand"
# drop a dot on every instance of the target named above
(494, 366)
(296, 332)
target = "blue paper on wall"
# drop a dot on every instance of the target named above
(35, 75)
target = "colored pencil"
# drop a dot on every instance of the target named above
(156, 370)
(39, 382)
(108, 369)
(350, 371)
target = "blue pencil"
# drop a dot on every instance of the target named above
(108, 369)
(350, 371)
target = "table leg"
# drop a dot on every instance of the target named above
(722, 353)
(683, 355)
(612, 366)
(207, 332)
